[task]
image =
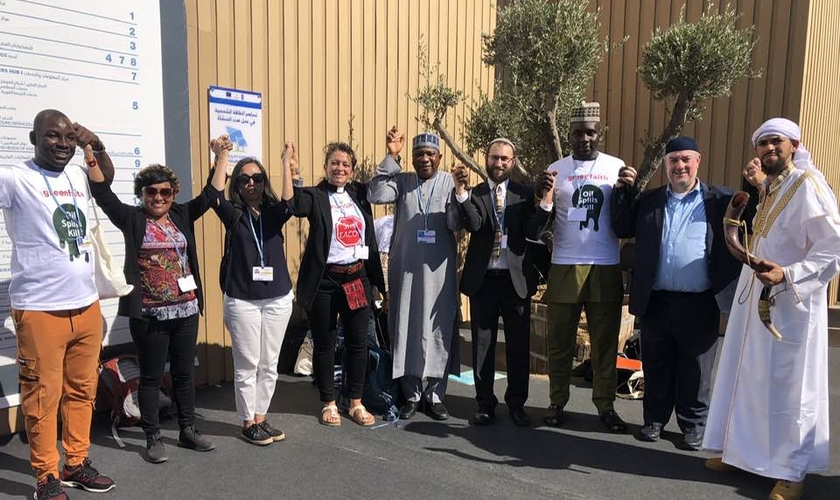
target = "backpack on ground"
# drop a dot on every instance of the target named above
(119, 379)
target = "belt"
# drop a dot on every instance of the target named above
(346, 268)
(497, 272)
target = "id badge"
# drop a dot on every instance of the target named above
(504, 241)
(187, 284)
(426, 236)
(577, 214)
(84, 243)
(263, 273)
(361, 252)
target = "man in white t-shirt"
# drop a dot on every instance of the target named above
(575, 194)
(55, 305)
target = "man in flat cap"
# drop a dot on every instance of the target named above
(422, 269)
(584, 275)
(682, 266)
(498, 278)
(769, 409)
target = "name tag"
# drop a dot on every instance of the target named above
(504, 241)
(361, 252)
(84, 243)
(263, 273)
(577, 214)
(426, 236)
(187, 284)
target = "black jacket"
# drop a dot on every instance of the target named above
(477, 216)
(314, 204)
(643, 218)
(131, 220)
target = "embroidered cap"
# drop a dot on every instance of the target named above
(426, 140)
(587, 112)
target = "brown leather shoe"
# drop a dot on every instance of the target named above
(787, 490)
(716, 464)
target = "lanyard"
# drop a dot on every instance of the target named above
(575, 176)
(425, 213)
(72, 193)
(340, 207)
(181, 257)
(258, 241)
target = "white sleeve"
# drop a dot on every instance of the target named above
(7, 187)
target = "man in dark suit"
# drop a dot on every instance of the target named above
(498, 278)
(679, 287)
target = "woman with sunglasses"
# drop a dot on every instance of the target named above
(339, 263)
(161, 262)
(257, 290)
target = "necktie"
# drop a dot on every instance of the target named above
(500, 208)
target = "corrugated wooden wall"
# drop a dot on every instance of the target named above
(317, 63)
(820, 120)
(629, 112)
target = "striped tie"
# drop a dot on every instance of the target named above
(500, 208)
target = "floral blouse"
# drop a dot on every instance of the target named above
(163, 260)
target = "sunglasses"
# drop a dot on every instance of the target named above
(151, 192)
(257, 178)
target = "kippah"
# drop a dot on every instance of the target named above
(681, 143)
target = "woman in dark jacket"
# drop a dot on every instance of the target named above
(339, 263)
(163, 309)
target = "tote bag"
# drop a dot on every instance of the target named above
(108, 275)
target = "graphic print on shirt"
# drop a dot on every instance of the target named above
(69, 229)
(347, 231)
(592, 199)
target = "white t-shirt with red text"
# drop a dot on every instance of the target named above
(49, 271)
(585, 235)
(348, 231)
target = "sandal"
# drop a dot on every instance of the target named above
(361, 416)
(330, 416)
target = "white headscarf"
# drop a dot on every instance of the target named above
(786, 128)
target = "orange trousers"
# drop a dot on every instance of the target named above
(58, 357)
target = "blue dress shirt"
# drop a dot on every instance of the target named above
(683, 265)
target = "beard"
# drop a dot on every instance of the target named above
(774, 168)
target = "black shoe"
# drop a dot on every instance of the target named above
(612, 422)
(554, 416)
(409, 409)
(693, 440)
(190, 438)
(50, 488)
(276, 434)
(519, 417)
(484, 417)
(255, 434)
(437, 411)
(650, 433)
(155, 452)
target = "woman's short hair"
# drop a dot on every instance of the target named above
(332, 147)
(155, 174)
(269, 196)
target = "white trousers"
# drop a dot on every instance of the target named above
(257, 328)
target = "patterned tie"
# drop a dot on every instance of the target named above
(500, 208)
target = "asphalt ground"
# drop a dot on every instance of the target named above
(418, 458)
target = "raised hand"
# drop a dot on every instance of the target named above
(545, 187)
(753, 174)
(626, 177)
(221, 145)
(461, 178)
(85, 137)
(395, 141)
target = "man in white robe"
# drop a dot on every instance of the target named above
(769, 409)
(422, 267)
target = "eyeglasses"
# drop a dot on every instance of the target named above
(502, 159)
(165, 193)
(257, 178)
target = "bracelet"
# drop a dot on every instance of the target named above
(92, 163)
(297, 182)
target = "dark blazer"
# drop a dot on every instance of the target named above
(643, 218)
(314, 204)
(477, 216)
(131, 220)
